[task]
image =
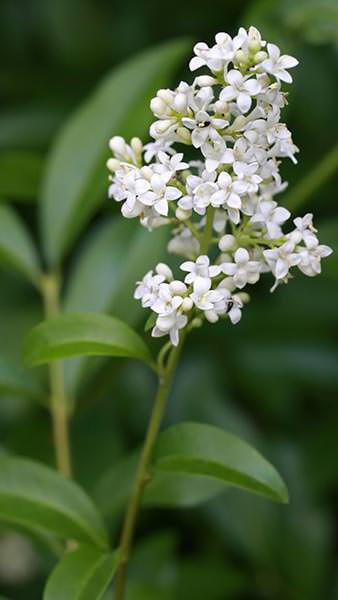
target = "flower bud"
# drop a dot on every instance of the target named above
(113, 164)
(165, 95)
(180, 103)
(187, 304)
(163, 269)
(260, 56)
(117, 145)
(146, 172)
(211, 316)
(244, 297)
(136, 145)
(178, 288)
(226, 242)
(158, 107)
(254, 46)
(241, 57)
(184, 135)
(182, 215)
(163, 126)
(195, 323)
(205, 81)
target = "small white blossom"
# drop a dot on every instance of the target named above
(271, 216)
(277, 65)
(243, 270)
(170, 324)
(200, 269)
(240, 88)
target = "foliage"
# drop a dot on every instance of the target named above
(272, 382)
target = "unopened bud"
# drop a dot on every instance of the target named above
(182, 215)
(117, 145)
(165, 95)
(254, 46)
(195, 323)
(178, 287)
(136, 145)
(241, 57)
(184, 135)
(205, 80)
(187, 304)
(226, 242)
(146, 172)
(244, 297)
(180, 103)
(158, 107)
(163, 269)
(260, 56)
(163, 126)
(113, 164)
(211, 316)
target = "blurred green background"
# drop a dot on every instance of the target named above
(273, 379)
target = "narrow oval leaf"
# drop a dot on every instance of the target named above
(76, 176)
(84, 574)
(100, 281)
(33, 496)
(205, 450)
(15, 381)
(29, 166)
(89, 334)
(17, 249)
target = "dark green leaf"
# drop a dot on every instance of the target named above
(34, 496)
(16, 246)
(205, 450)
(88, 334)
(20, 174)
(100, 281)
(83, 574)
(76, 177)
(15, 381)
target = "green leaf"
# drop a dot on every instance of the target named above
(15, 381)
(34, 496)
(328, 234)
(20, 174)
(205, 450)
(100, 281)
(84, 574)
(76, 177)
(16, 246)
(86, 334)
(192, 463)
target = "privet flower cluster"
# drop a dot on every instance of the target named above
(222, 201)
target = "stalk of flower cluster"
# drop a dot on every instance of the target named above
(50, 287)
(166, 375)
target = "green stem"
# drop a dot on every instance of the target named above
(50, 286)
(316, 177)
(207, 234)
(142, 475)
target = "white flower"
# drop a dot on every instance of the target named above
(310, 259)
(184, 244)
(201, 269)
(200, 191)
(154, 148)
(166, 300)
(281, 259)
(247, 175)
(204, 127)
(272, 216)
(276, 64)
(228, 195)
(160, 194)
(243, 270)
(304, 231)
(203, 297)
(170, 164)
(170, 324)
(216, 57)
(241, 89)
(147, 289)
(216, 153)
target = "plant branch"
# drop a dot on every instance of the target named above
(142, 475)
(50, 286)
(207, 234)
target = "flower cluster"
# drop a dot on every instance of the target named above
(221, 199)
